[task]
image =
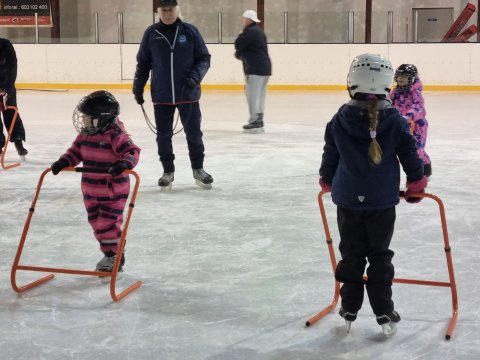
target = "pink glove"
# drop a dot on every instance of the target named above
(325, 187)
(415, 187)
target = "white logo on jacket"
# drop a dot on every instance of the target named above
(361, 198)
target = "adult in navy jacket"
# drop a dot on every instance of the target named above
(8, 76)
(251, 48)
(178, 59)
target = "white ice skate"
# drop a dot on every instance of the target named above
(202, 178)
(165, 182)
(389, 328)
(388, 322)
(349, 318)
(20, 149)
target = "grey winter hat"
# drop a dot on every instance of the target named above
(165, 3)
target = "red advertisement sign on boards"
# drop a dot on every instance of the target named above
(22, 12)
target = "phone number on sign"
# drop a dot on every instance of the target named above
(34, 7)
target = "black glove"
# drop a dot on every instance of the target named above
(192, 83)
(119, 167)
(139, 99)
(58, 165)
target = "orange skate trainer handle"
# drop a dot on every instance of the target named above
(2, 161)
(333, 262)
(112, 275)
(448, 253)
(451, 284)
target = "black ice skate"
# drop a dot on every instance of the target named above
(107, 264)
(388, 322)
(165, 182)
(202, 178)
(20, 149)
(348, 316)
(255, 127)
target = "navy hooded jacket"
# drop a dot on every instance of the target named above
(8, 66)
(173, 53)
(356, 182)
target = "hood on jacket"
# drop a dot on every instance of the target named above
(355, 119)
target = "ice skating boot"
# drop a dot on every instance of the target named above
(202, 178)
(348, 316)
(165, 182)
(20, 149)
(107, 264)
(255, 127)
(388, 321)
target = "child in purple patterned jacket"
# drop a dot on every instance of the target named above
(408, 100)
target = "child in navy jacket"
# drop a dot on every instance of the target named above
(364, 143)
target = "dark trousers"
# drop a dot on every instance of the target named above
(191, 117)
(18, 132)
(366, 235)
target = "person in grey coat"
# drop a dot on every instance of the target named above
(251, 48)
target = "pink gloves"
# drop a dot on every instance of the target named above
(415, 187)
(325, 187)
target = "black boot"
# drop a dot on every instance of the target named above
(256, 126)
(20, 149)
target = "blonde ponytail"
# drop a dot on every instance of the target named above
(374, 150)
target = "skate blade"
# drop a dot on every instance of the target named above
(254, 131)
(166, 188)
(23, 158)
(202, 185)
(389, 329)
(106, 279)
(348, 325)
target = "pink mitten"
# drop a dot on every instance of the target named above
(325, 187)
(415, 187)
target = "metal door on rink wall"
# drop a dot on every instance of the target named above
(431, 24)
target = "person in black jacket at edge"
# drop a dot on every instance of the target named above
(251, 48)
(8, 76)
(176, 54)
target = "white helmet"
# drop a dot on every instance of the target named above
(370, 74)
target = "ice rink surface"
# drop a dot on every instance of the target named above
(234, 272)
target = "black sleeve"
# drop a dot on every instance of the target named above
(243, 41)
(330, 157)
(11, 64)
(144, 65)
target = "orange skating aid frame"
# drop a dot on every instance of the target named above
(112, 275)
(451, 284)
(6, 167)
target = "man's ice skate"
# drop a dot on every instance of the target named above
(348, 316)
(20, 149)
(107, 264)
(255, 127)
(388, 322)
(165, 182)
(202, 178)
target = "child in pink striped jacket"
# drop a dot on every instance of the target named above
(102, 144)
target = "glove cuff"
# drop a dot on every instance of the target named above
(417, 186)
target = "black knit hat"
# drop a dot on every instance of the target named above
(165, 3)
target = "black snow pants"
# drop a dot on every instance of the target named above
(366, 235)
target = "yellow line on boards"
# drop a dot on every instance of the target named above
(128, 86)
